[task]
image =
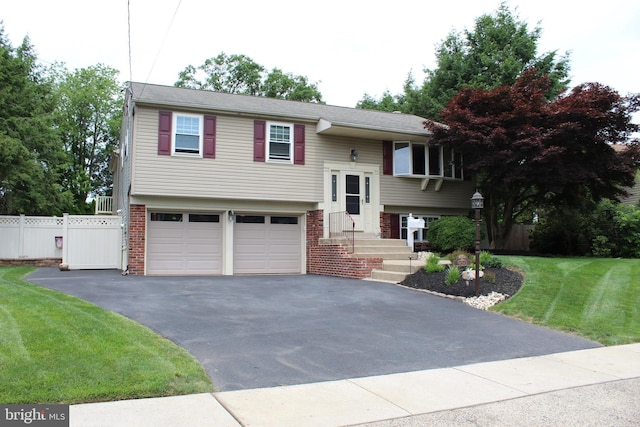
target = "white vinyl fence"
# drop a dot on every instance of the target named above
(81, 241)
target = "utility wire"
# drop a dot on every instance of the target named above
(129, 35)
(163, 41)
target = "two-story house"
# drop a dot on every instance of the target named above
(216, 183)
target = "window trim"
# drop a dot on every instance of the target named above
(174, 132)
(267, 138)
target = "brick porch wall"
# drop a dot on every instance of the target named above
(137, 231)
(333, 260)
(385, 225)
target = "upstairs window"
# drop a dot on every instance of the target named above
(280, 142)
(423, 160)
(188, 134)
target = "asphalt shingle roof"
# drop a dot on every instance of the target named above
(171, 96)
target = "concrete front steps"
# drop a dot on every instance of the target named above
(399, 259)
(395, 270)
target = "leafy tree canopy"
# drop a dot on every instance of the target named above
(242, 75)
(527, 151)
(494, 53)
(31, 159)
(88, 119)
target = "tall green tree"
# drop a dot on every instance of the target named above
(527, 152)
(498, 49)
(31, 158)
(242, 75)
(278, 84)
(88, 119)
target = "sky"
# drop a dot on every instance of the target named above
(347, 47)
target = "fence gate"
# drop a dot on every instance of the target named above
(92, 241)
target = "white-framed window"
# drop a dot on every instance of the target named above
(423, 160)
(279, 142)
(187, 135)
(419, 235)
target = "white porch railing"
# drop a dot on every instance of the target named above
(341, 224)
(104, 205)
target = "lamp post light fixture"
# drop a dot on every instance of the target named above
(477, 203)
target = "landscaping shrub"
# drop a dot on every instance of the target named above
(452, 232)
(608, 229)
(489, 260)
(453, 275)
(432, 264)
(489, 276)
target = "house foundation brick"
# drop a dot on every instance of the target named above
(385, 225)
(333, 259)
(137, 233)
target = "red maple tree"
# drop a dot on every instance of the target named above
(526, 151)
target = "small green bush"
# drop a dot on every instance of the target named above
(452, 232)
(432, 264)
(453, 275)
(490, 277)
(487, 259)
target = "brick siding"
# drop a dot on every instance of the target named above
(137, 232)
(333, 259)
(385, 225)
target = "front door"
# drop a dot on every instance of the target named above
(353, 201)
(354, 189)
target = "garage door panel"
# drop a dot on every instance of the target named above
(184, 247)
(267, 248)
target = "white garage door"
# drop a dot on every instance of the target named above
(267, 244)
(184, 244)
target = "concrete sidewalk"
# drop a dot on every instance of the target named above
(586, 387)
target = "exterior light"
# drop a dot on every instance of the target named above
(354, 155)
(477, 201)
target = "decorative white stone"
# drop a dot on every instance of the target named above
(483, 302)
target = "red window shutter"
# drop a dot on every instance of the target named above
(395, 226)
(259, 134)
(387, 157)
(298, 144)
(209, 137)
(164, 133)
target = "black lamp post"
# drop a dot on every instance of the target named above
(477, 203)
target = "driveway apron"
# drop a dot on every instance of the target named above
(264, 331)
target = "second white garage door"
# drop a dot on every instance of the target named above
(267, 244)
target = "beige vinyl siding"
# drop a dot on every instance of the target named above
(401, 191)
(232, 174)
(397, 191)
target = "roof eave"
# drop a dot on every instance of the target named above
(325, 127)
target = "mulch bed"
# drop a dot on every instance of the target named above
(507, 282)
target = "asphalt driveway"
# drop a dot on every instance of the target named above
(264, 331)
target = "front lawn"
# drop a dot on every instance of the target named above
(56, 348)
(596, 298)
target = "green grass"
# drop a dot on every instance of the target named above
(596, 298)
(55, 348)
